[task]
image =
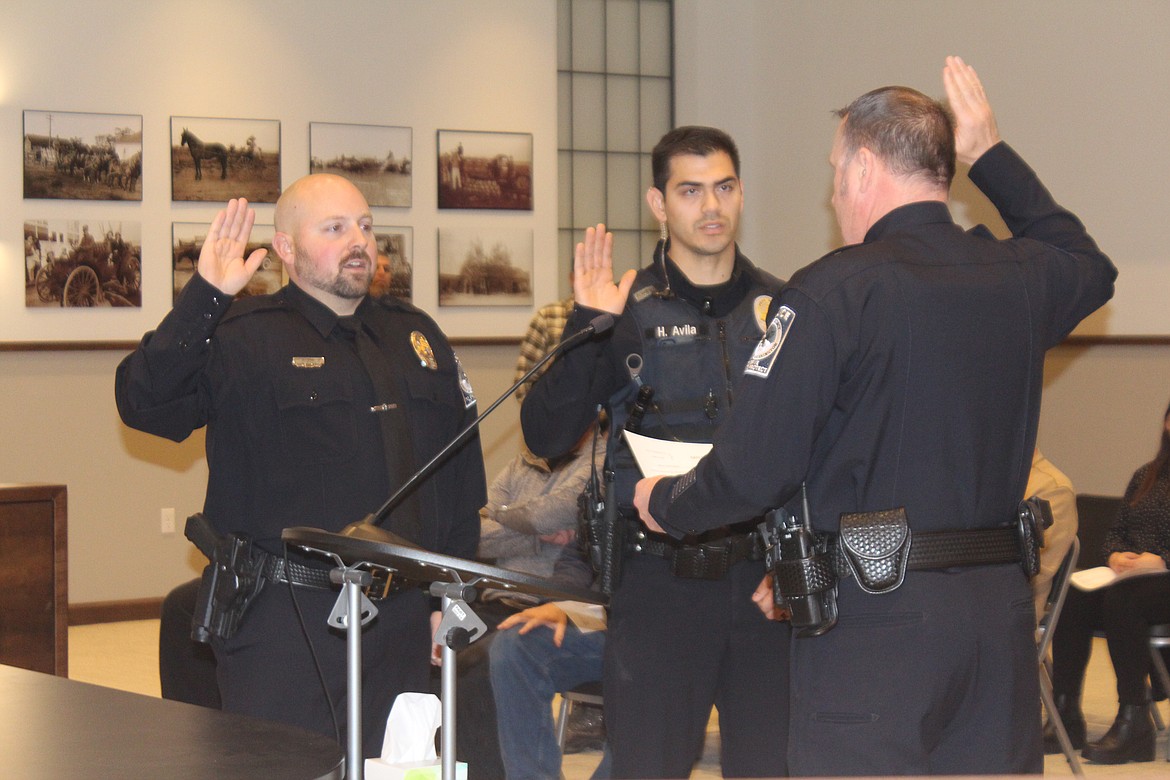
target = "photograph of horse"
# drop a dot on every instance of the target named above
(201, 151)
(244, 152)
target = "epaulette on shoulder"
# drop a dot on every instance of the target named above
(646, 283)
(394, 303)
(254, 304)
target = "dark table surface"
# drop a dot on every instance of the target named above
(51, 727)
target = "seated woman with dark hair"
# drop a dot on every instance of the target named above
(1139, 539)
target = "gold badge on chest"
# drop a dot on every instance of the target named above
(422, 348)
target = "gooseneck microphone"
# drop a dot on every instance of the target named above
(369, 526)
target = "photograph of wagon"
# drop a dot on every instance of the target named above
(82, 156)
(73, 268)
(478, 170)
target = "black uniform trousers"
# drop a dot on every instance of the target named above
(1124, 611)
(267, 669)
(186, 668)
(674, 648)
(937, 677)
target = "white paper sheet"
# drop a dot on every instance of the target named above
(660, 458)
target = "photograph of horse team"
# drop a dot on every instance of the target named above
(217, 159)
(482, 170)
(67, 264)
(82, 156)
(376, 158)
(188, 237)
(469, 275)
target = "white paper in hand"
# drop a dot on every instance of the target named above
(660, 458)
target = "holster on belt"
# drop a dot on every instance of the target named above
(876, 547)
(232, 579)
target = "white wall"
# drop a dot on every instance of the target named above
(1080, 87)
(450, 64)
(490, 64)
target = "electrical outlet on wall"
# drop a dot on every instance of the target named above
(167, 520)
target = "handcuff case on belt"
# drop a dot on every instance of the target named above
(876, 547)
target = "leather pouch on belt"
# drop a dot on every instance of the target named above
(876, 546)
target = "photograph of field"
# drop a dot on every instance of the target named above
(218, 159)
(485, 267)
(82, 156)
(377, 159)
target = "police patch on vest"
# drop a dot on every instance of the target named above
(465, 385)
(760, 363)
(668, 334)
(760, 308)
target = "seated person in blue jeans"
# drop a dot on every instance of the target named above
(547, 654)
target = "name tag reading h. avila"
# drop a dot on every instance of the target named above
(308, 362)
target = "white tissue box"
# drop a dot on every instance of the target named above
(432, 769)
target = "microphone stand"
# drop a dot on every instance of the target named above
(353, 610)
(369, 527)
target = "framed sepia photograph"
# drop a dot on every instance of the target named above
(218, 159)
(483, 170)
(187, 241)
(82, 156)
(485, 267)
(377, 159)
(395, 269)
(82, 263)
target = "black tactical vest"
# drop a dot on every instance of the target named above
(692, 360)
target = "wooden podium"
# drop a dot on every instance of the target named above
(34, 591)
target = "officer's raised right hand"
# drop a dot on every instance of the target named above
(593, 284)
(221, 260)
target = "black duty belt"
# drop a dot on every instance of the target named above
(707, 561)
(950, 549)
(279, 569)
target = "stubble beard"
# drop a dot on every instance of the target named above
(342, 285)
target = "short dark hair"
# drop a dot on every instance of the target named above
(912, 133)
(689, 139)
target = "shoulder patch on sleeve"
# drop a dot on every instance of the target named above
(760, 363)
(465, 385)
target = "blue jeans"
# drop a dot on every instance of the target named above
(526, 672)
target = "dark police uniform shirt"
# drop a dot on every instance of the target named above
(692, 344)
(291, 439)
(905, 371)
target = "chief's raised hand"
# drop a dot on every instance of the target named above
(975, 128)
(221, 261)
(593, 282)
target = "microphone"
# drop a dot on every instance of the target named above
(368, 527)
